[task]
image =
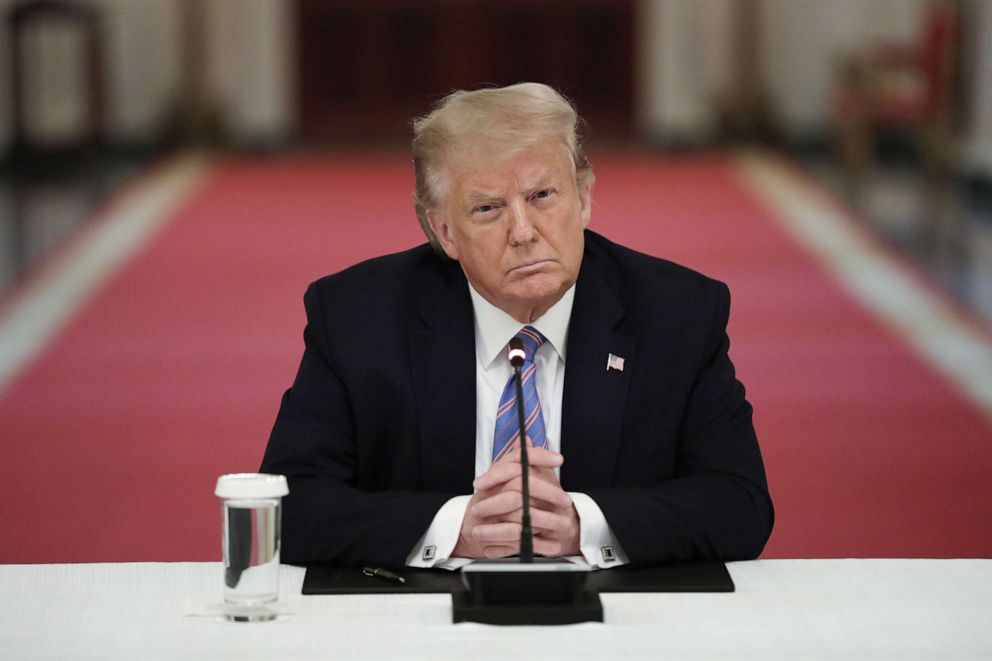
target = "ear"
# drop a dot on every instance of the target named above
(585, 201)
(442, 231)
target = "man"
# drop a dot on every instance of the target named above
(397, 436)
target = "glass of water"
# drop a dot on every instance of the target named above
(251, 516)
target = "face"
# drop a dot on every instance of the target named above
(515, 225)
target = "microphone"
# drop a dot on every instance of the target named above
(517, 357)
(546, 591)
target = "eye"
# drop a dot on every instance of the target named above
(543, 194)
(484, 208)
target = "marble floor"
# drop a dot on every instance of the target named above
(944, 228)
(41, 208)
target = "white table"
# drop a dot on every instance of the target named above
(782, 609)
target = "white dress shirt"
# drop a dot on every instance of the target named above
(493, 331)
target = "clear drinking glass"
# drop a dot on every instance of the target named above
(251, 517)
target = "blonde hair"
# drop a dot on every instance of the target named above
(510, 119)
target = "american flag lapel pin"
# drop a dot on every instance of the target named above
(614, 362)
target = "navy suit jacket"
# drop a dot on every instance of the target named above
(377, 431)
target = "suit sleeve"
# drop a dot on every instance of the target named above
(717, 505)
(327, 516)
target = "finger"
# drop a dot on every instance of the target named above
(509, 475)
(549, 548)
(504, 502)
(542, 470)
(513, 452)
(496, 533)
(544, 489)
(482, 494)
(535, 475)
(509, 466)
(541, 520)
(536, 457)
(546, 475)
(550, 523)
(498, 473)
(538, 504)
(552, 494)
(500, 551)
(513, 486)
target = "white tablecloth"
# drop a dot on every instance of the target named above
(782, 609)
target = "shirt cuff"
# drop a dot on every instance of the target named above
(435, 547)
(596, 541)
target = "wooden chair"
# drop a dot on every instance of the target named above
(84, 18)
(34, 161)
(908, 88)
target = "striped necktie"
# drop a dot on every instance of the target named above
(507, 424)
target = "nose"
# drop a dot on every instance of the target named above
(521, 226)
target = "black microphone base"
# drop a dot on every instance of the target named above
(508, 592)
(587, 608)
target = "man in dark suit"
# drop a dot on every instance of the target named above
(393, 436)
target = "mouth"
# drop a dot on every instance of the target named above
(531, 266)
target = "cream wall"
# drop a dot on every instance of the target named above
(682, 65)
(249, 58)
(804, 40)
(685, 63)
(141, 38)
(140, 68)
(251, 66)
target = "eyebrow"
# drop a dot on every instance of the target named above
(481, 196)
(546, 179)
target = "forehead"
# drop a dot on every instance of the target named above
(478, 169)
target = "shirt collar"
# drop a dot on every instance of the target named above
(495, 328)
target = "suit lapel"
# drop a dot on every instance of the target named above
(443, 360)
(595, 398)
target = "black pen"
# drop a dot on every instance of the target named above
(384, 574)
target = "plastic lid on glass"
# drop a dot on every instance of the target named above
(251, 485)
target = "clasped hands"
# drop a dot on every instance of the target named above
(492, 523)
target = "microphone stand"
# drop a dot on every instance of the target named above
(525, 592)
(526, 534)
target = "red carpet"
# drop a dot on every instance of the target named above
(172, 373)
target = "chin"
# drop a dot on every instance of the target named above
(542, 294)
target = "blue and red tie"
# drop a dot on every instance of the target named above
(507, 426)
